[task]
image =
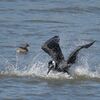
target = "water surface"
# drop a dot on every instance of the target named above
(23, 77)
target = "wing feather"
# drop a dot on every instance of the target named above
(52, 48)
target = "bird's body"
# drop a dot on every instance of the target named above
(23, 49)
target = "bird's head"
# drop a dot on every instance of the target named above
(51, 65)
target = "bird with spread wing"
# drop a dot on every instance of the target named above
(58, 62)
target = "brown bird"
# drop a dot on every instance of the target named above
(58, 63)
(23, 49)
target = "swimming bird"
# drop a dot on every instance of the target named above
(23, 49)
(58, 62)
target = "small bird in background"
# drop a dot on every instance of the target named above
(23, 48)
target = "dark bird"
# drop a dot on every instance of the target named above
(23, 49)
(58, 62)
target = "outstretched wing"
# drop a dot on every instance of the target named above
(73, 56)
(52, 48)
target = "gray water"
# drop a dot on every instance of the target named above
(23, 77)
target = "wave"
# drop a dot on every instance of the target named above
(38, 68)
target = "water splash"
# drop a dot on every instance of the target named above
(38, 68)
(84, 70)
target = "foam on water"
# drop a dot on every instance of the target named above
(38, 68)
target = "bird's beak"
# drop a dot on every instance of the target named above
(50, 67)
